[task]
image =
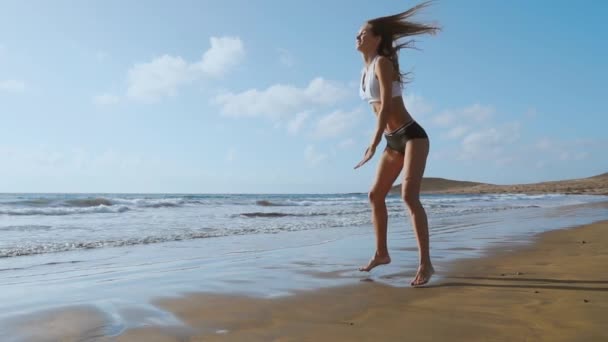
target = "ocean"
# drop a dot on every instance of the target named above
(124, 250)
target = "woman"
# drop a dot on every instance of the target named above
(407, 145)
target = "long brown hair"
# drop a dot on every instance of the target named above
(395, 27)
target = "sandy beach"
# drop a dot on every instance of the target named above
(595, 185)
(551, 290)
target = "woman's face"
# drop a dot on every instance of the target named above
(366, 41)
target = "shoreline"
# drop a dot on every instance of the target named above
(538, 290)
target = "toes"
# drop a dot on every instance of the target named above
(368, 267)
(373, 264)
(420, 279)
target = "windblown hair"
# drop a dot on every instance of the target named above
(398, 26)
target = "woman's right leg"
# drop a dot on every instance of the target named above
(416, 153)
(389, 168)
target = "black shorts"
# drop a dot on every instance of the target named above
(397, 139)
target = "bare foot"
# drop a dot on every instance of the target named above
(376, 261)
(423, 276)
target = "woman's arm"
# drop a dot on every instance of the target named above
(385, 73)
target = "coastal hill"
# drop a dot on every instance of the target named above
(596, 185)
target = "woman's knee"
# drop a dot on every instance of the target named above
(411, 195)
(376, 196)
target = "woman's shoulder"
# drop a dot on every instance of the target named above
(383, 62)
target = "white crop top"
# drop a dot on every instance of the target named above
(369, 88)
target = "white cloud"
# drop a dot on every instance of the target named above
(475, 113)
(48, 158)
(286, 58)
(544, 144)
(101, 56)
(482, 135)
(231, 155)
(473, 126)
(224, 54)
(281, 100)
(506, 160)
(457, 132)
(12, 86)
(564, 150)
(531, 112)
(294, 126)
(336, 122)
(478, 141)
(490, 143)
(478, 112)
(160, 77)
(150, 81)
(582, 155)
(105, 99)
(573, 156)
(313, 157)
(323, 92)
(346, 143)
(110, 159)
(417, 105)
(565, 156)
(444, 119)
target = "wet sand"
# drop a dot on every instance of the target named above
(551, 290)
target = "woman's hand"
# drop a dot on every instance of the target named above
(369, 153)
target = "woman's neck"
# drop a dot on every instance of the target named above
(369, 57)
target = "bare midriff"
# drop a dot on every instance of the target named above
(398, 116)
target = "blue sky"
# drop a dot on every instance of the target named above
(261, 96)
